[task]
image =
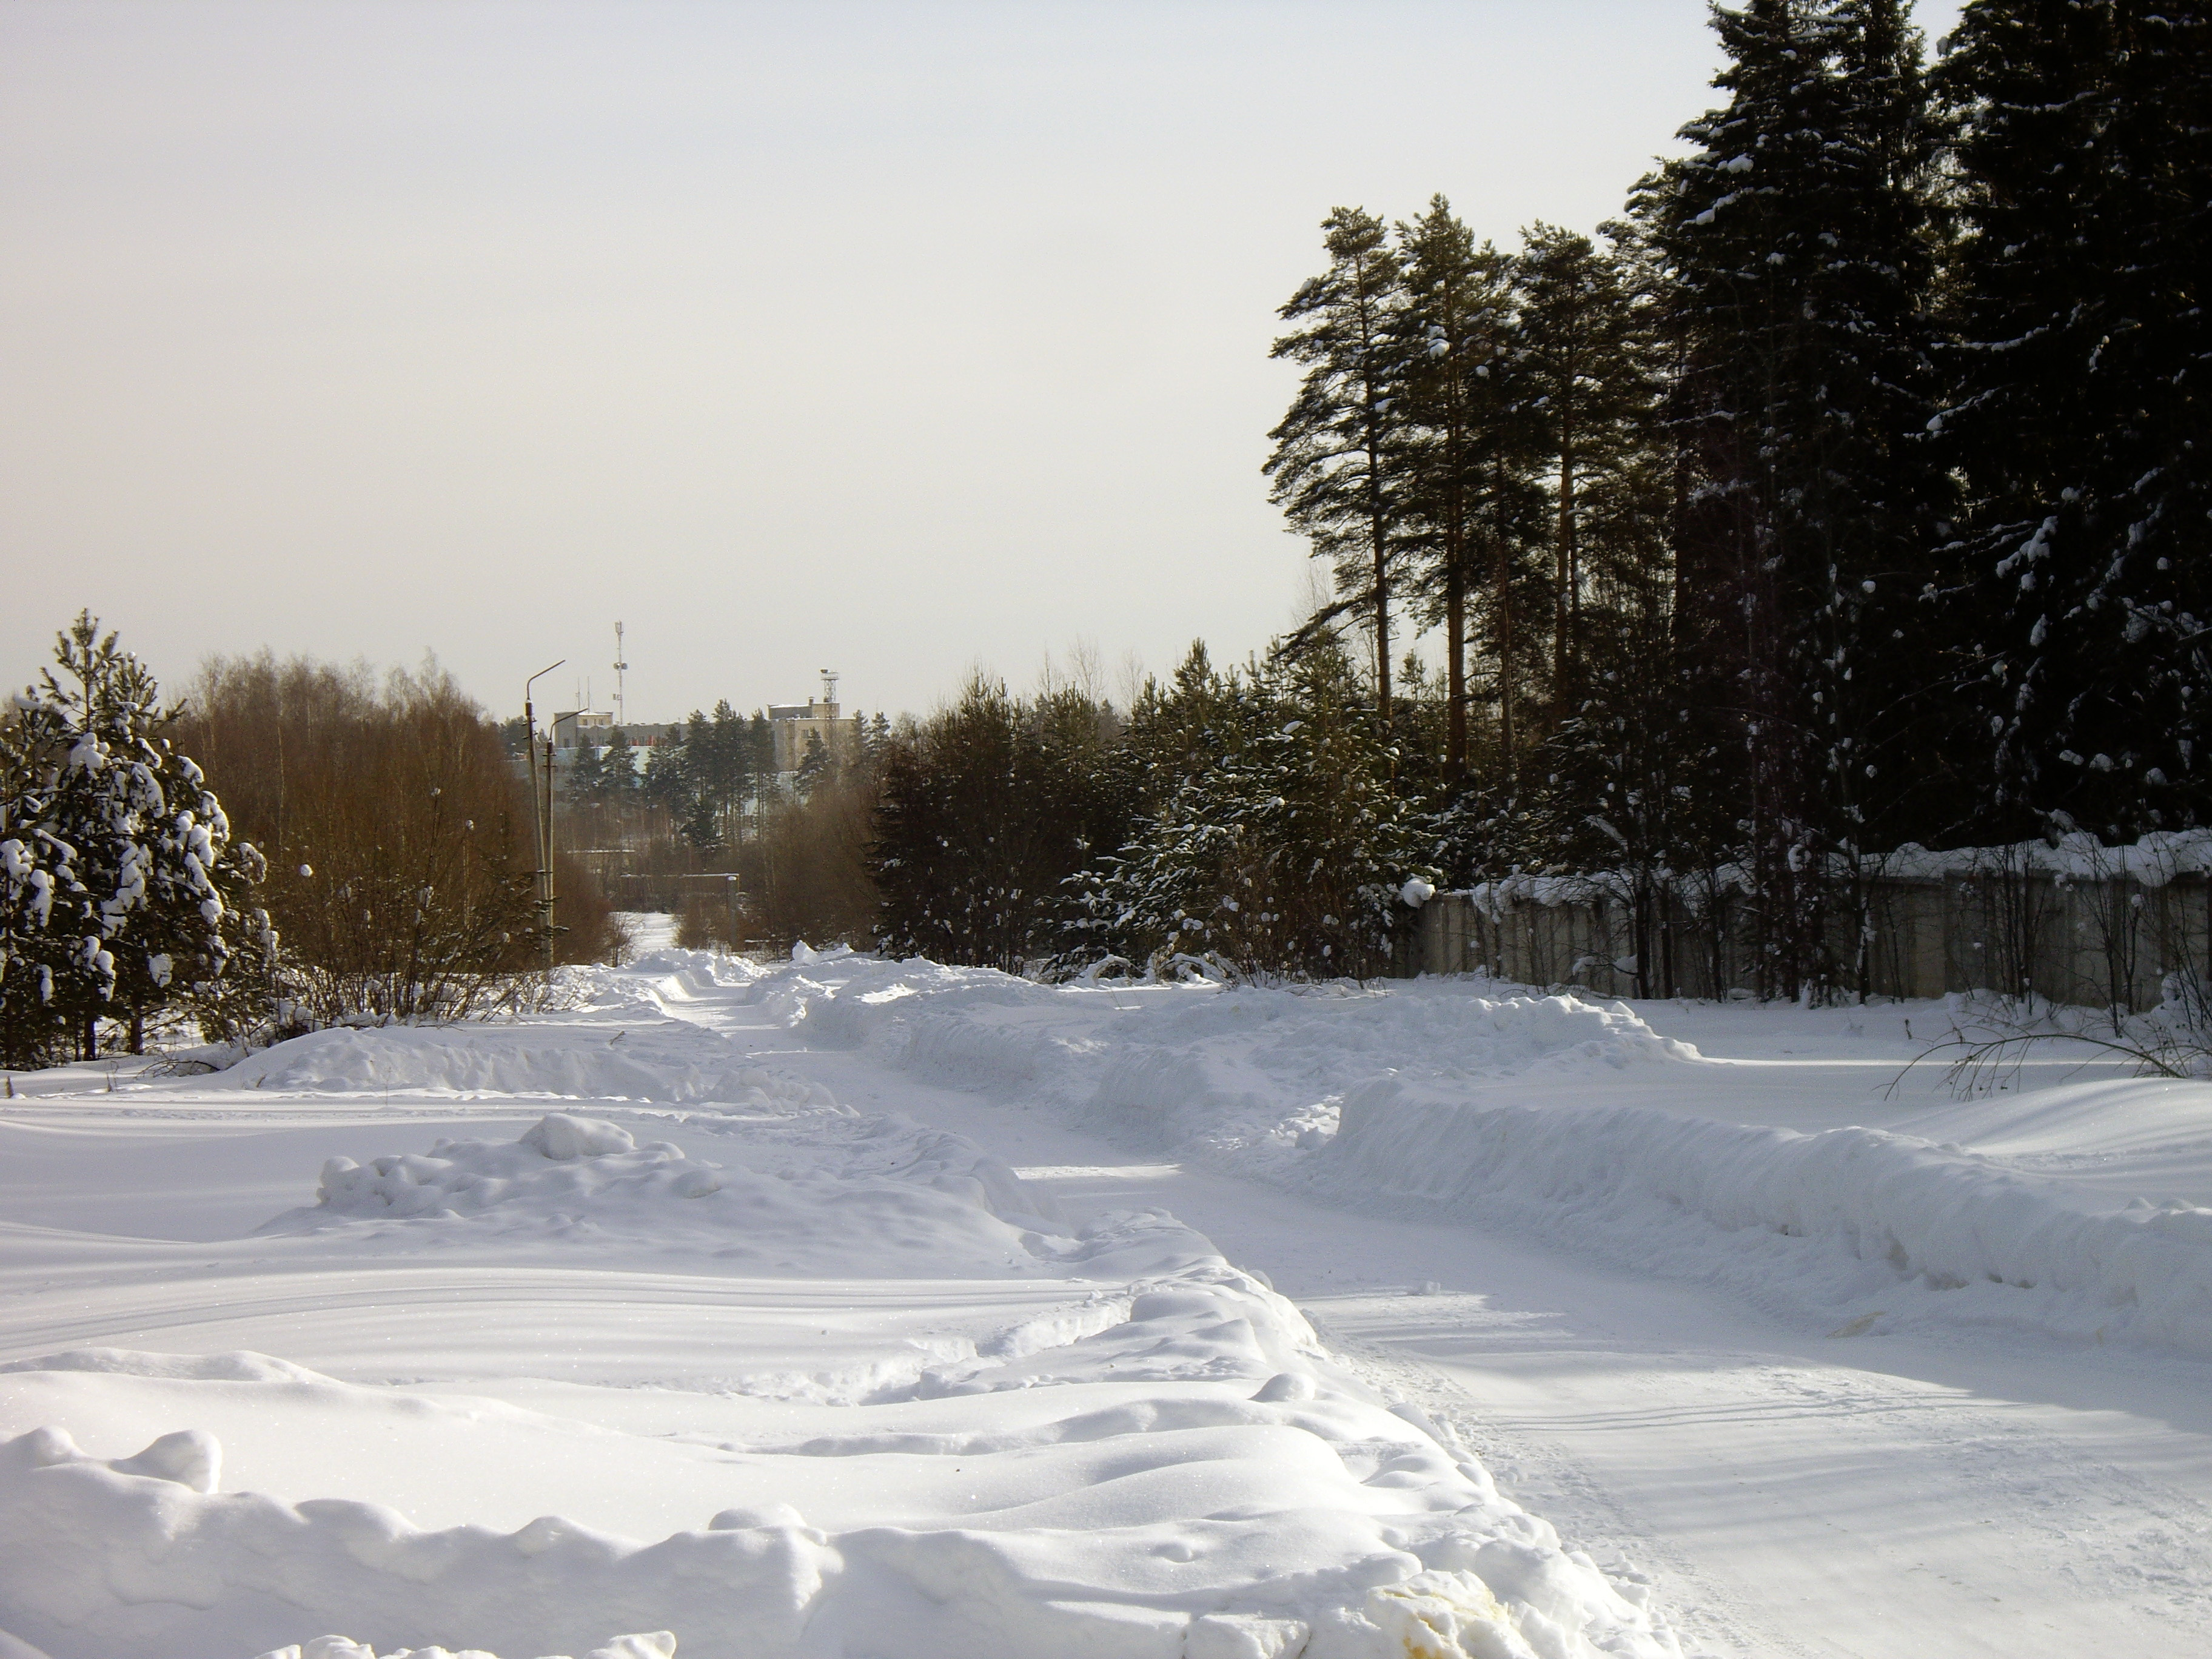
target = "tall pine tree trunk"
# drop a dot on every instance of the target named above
(1378, 528)
(1455, 663)
(1501, 576)
(1566, 577)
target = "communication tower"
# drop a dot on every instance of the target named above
(621, 667)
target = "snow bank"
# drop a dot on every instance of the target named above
(1247, 1079)
(1851, 1225)
(1229, 1074)
(619, 1036)
(1849, 1218)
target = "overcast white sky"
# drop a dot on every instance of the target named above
(888, 337)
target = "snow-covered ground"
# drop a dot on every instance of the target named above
(853, 1308)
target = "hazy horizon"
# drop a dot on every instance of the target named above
(895, 339)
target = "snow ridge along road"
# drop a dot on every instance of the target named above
(734, 1272)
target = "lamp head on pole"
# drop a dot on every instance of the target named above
(529, 720)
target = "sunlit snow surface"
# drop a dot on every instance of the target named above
(618, 1322)
(524, 1337)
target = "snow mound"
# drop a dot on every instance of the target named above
(560, 1137)
(1244, 1077)
(1886, 1227)
(560, 1162)
(235, 1367)
(868, 1194)
(657, 1644)
(646, 1058)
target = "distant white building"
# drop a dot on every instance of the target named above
(791, 724)
(582, 727)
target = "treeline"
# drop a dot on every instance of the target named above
(1849, 491)
(715, 775)
(397, 838)
(1250, 821)
(709, 798)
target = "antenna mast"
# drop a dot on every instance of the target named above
(622, 708)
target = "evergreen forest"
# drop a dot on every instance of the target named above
(1849, 491)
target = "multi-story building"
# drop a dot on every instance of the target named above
(792, 724)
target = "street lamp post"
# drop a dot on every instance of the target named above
(541, 810)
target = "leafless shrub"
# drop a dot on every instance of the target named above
(398, 837)
(807, 872)
(1990, 1038)
(708, 924)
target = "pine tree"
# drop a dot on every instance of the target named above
(667, 781)
(1468, 444)
(818, 767)
(587, 773)
(1336, 468)
(1591, 385)
(724, 773)
(618, 780)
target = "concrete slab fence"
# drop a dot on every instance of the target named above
(2095, 941)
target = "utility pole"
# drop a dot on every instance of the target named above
(541, 810)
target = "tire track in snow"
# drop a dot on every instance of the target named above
(1547, 1478)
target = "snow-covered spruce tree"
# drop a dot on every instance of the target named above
(1280, 847)
(2079, 416)
(158, 911)
(1337, 470)
(1798, 240)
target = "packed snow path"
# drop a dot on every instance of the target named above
(1933, 1386)
(1785, 1491)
